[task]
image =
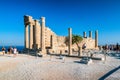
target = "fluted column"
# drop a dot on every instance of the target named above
(90, 34)
(70, 41)
(84, 34)
(37, 34)
(96, 38)
(43, 35)
(31, 35)
(26, 36)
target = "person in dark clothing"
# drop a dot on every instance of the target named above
(117, 47)
(3, 50)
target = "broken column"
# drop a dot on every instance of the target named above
(96, 39)
(84, 34)
(70, 41)
(90, 34)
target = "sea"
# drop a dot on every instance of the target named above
(19, 48)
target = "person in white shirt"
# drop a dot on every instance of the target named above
(15, 52)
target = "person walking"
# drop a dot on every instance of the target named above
(10, 49)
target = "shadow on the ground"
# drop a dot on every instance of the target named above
(32, 54)
(109, 73)
(118, 58)
(79, 62)
(115, 55)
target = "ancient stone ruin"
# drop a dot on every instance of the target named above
(39, 36)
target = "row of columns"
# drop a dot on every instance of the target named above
(28, 36)
(84, 33)
(90, 36)
(34, 35)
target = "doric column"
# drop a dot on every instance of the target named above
(37, 34)
(26, 36)
(43, 35)
(84, 34)
(96, 38)
(90, 34)
(31, 35)
(70, 41)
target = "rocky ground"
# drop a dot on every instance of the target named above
(26, 67)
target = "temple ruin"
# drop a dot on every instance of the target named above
(39, 36)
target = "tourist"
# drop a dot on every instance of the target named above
(106, 47)
(84, 46)
(10, 50)
(117, 47)
(15, 51)
(3, 50)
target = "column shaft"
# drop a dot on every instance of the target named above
(31, 36)
(37, 34)
(90, 34)
(96, 38)
(70, 41)
(43, 35)
(84, 34)
(26, 37)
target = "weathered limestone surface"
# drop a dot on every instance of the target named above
(39, 36)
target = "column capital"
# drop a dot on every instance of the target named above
(36, 22)
(43, 19)
(96, 31)
(69, 28)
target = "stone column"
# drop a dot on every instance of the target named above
(31, 35)
(43, 35)
(96, 38)
(26, 36)
(37, 34)
(84, 34)
(90, 34)
(70, 41)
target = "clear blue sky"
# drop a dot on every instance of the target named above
(80, 15)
